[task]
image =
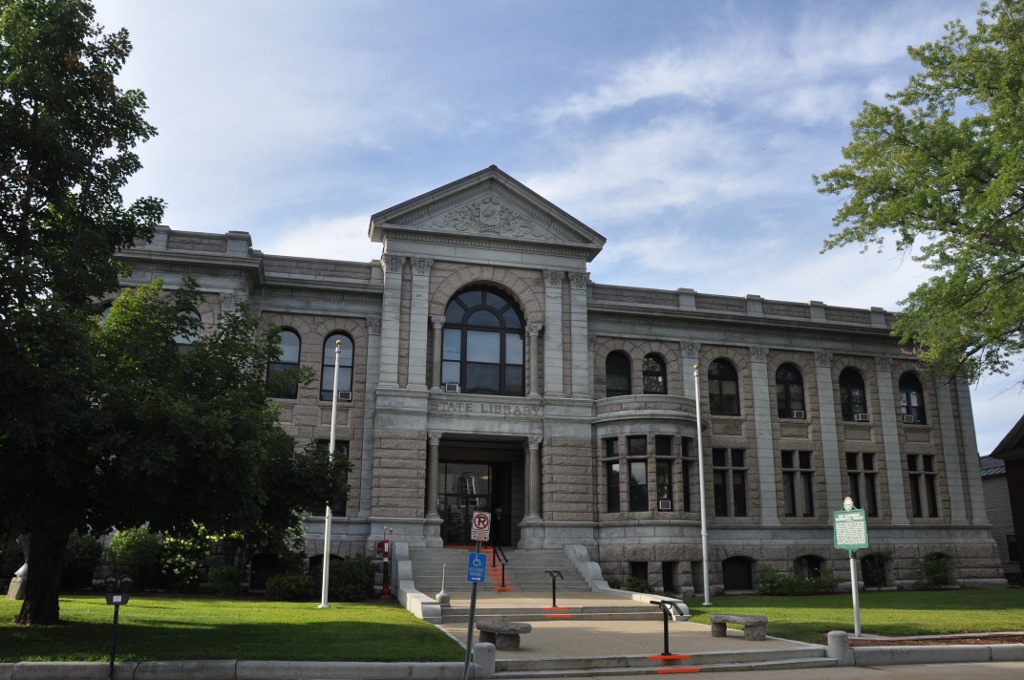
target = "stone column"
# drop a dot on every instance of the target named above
(951, 455)
(419, 313)
(434, 439)
(373, 324)
(533, 478)
(763, 404)
(891, 442)
(830, 454)
(961, 391)
(391, 319)
(438, 324)
(533, 333)
(580, 356)
(553, 379)
(690, 352)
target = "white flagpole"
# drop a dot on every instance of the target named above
(700, 474)
(327, 514)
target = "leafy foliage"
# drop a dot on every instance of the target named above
(80, 562)
(934, 571)
(352, 579)
(770, 581)
(135, 553)
(941, 169)
(291, 586)
(226, 580)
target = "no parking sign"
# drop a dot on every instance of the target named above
(481, 530)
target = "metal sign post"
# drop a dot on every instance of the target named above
(117, 592)
(476, 572)
(850, 533)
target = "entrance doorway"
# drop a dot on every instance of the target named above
(468, 487)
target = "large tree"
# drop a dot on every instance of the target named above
(940, 169)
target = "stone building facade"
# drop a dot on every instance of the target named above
(482, 369)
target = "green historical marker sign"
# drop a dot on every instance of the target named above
(850, 529)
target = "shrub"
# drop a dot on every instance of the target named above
(638, 585)
(80, 561)
(352, 579)
(934, 571)
(291, 587)
(135, 553)
(181, 562)
(226, 581)
(770, 581)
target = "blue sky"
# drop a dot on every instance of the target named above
(685, 132)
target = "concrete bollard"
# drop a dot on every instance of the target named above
(485, 657)
(839, 647)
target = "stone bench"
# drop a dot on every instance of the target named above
(753, 626)
(502, 634)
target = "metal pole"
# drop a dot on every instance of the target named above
(327, 514)
(856, 593)
(113, 644)
(700, 473)
(469, 635)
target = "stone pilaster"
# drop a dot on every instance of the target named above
(437, 323)
(826, 409)
(419, 314)
(582, 384)
(533, 478)
(763, 403)
(891, 442)
(690, 352)
(533, 334)
(553, 381)
(373, 325)
(391, 319)
(951, 456)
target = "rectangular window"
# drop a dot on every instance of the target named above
(611, 448)
(1011, 548)
(638, 501)
(923, 485)
(861, 474)
(687, 465)
(662, 445)
(798, 483)
(636, 446)
(612, 474)
(664, 480)
(729, 475)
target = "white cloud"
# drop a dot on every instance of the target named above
(329, 238)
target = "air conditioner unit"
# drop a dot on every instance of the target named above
(861, 417)
(797, 414)
(344, 396)
(451, 387)
(664, 505)
(909, 418)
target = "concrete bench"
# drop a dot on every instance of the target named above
(502, 634)
(753, 626)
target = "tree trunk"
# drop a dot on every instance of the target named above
(42, 590)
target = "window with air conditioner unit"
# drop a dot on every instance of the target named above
(798, 414)
(451, 387)
(861, 417)
(344, 395)
(664, 505)
(909, 418)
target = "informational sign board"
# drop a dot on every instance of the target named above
(481, 530)
(476, 570)
(850, 529)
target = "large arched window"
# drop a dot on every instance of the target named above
(654, 375)
(289, 360)
(723, 389)
(851, 395)
(482, 348)
(345, 357)
(911, 398)
(617, 378)
(789, 392)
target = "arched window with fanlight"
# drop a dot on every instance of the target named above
(654, 375)
(291, 347)
(482, 345)
(789, 392)
(851, 395)
(723, 388)
(345, 357)
(912, 399)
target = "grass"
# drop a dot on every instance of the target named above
(163, 628)
(166, 628)
(881, 613)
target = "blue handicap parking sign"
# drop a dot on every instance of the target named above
(476, 571)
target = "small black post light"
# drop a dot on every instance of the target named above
(554, 576)
(117, 592)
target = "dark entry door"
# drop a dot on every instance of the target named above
(470, 487)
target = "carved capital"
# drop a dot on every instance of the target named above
(421, 265)
(823, 359)
(393, 263)
(534, 442)
(554, 277)
(579, 279)
(437, 322)
(373, 325)
(591, 341)
(689, 349)
(884, 364)
(434, 438)
(534, 329)
(230, 301)
(758, 353)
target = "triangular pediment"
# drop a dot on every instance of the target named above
(488, 206)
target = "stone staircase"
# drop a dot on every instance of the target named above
(523, 572)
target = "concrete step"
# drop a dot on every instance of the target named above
(525, 570)
(608, 666)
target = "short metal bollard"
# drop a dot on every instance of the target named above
(117, 591)
(554, 576)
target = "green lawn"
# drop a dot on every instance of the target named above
(156, 627)
(885, 613)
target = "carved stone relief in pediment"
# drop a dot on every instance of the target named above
(489, 216)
